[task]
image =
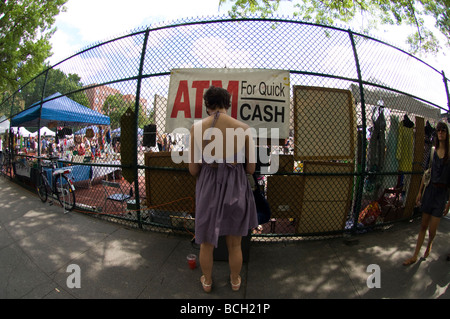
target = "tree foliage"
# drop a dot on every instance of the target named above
(57, 81)
(116, 105)
(390, 12)
(25, 31)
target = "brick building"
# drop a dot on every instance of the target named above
(132, 98)
(97, 97)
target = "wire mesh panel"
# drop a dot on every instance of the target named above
(392, 68)
(360, 125)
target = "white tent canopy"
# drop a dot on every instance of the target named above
(22, 131)
(45, 131)
(4, 124)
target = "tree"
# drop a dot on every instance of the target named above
(115, 106)
(391, 12)
(25, 31)
(57, 81)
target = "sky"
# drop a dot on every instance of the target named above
(87, 22)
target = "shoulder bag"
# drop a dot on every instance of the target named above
(427, 173)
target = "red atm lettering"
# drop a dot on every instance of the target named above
(200, 86)
(182, 101)
(182, 104)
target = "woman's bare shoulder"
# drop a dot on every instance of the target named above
(237, 124)
(198, 124)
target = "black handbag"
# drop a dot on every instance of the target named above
(262, 206)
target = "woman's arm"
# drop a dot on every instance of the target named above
(419, 195)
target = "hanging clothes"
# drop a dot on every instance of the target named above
(405, 145)
(376, 151)
(429, 131)
(377, 143)
(391, 162)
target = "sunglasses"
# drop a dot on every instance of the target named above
(441, 130)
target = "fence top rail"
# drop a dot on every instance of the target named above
(223, 19)
(226, 19)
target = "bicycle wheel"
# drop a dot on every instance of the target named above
(41, 188)
(64, 192)
(5, 164)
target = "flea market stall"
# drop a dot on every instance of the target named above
(60, 112)
(312, 188)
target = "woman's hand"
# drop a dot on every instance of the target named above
(419, 199)
(447, 206)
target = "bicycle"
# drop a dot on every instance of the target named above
(62, 185)
(5, 163)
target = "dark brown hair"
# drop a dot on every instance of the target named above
(440, 126)
(216, 97)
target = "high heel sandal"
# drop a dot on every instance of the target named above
(236, 287)
(206, 287)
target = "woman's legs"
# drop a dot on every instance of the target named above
(432, 229)
(234, 257)
(420, 238)
(206, 261)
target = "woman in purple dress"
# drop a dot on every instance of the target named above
(224, 203)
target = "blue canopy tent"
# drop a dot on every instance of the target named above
(58, 110)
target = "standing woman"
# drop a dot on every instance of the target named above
(434, 203)
(224, 203)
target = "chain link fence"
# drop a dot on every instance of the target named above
(362, 114)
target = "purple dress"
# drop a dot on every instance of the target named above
(224, 203)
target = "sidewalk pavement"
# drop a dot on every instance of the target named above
(38, 243)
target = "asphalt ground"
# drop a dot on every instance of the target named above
(46, 254)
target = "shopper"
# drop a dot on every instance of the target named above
(224, 200)
(434, 203)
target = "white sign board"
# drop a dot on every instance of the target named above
(260, 98)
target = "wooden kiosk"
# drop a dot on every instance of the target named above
(324, 133)
(170, 189)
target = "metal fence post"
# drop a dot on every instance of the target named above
(12, 107)
(40, 112)
(10, 140)
(136, 112)
(361, 174)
